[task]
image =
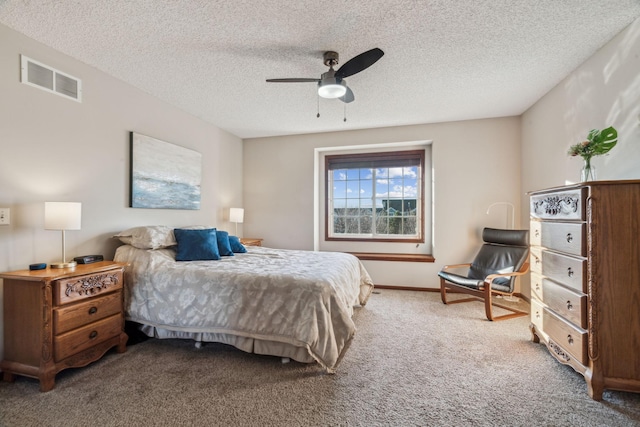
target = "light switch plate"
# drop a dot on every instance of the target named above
(5, 216)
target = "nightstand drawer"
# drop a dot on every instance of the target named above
(73, 342)
(87, 286)
(72, 316)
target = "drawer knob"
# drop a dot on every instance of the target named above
(93, 334)
(569, 305)
(93, 310)
(570, 272)
(569, 339)
(569, 238)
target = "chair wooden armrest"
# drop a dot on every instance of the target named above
(452, 266)
(523, 270)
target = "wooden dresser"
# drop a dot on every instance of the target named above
(56, 319)
(585, 280)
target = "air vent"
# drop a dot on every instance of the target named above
(36, 74)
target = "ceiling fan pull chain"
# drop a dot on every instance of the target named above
(345, 112)
(318, 116)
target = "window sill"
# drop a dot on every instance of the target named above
(369, 256)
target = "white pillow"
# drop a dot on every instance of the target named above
(148, 237)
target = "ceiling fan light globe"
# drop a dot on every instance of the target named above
(331, 90)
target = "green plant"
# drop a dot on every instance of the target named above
(598, 142)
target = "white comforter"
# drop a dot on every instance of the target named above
(300, 298)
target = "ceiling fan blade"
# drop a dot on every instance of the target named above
(359, 63)
(302, 80)
(348, 97)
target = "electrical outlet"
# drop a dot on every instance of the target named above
(5, 216)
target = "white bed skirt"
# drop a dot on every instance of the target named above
(250, 345)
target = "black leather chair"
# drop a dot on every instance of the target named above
(502, 258)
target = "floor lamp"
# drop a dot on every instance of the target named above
(513, 212)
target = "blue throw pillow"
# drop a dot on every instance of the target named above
(224, 246)
(236, 246)
(196, 245)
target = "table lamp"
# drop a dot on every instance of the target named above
(236, 215)
(62, 216)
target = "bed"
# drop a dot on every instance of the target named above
(288, 303)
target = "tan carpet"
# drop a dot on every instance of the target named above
(414, 362)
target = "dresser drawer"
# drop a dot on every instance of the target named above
(572, 339)
(565, 302)
(535, 233)
(536, 286)
(536, 313)
(75, 341)
(71, 316)
(81, 287)
(561, 205)
(535, 260)
(564, 237)
(567, 270)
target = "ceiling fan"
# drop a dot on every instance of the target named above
(332, 84)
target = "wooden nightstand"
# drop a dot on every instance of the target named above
(56, 319)
(251, 242)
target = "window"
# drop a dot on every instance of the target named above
(375, 196)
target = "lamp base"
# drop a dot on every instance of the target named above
(69, 264)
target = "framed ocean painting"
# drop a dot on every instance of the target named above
(163, 175)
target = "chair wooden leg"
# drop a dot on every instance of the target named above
(443, 291)
(487, 303)
(514, 313)
(443, 294)
(480, 295)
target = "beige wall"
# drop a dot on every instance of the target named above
(475, 163)
(602, 92)
(55, 149)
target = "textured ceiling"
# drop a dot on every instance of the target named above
(445, 60)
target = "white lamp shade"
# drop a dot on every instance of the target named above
(236, 215)
(62, 215)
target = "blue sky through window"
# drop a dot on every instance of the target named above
(351, 185)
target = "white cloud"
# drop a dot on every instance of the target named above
(395, 172)
(398, 172)
(399, 192)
